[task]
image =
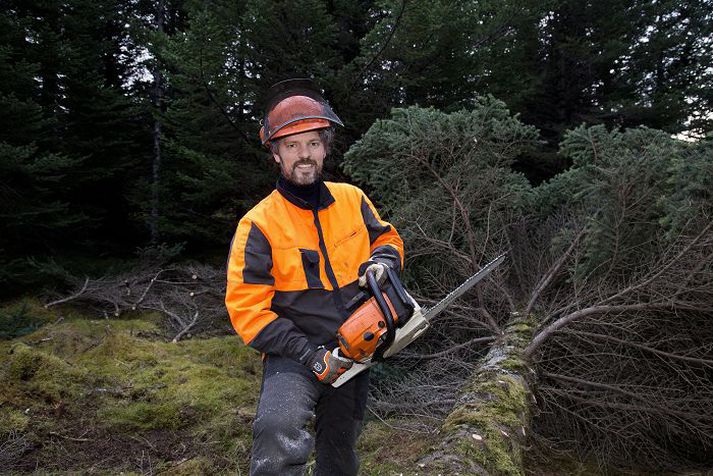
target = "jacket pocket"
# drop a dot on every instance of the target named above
(348, 253)
(310, 264)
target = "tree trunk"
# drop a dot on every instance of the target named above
(157, 99)
(486, 431)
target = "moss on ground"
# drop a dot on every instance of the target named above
(12, 420)
(93, 396)
(391, 448)
(96, 396)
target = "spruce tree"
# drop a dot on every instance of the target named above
(35, 211)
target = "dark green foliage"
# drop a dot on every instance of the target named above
(69, 131)
(631, 188)
(34, 205)
(446, 183)
(19, 320)
(690, 184)
(288, 38)
(87, 85)
(213, 167)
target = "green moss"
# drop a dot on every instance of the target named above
(502, 408)
(514, 364)
(123, 350)
(132, 416)
(113, 377)
(12, 420)
(41, 375)
(23, 363)
(385, 448)
(227, 353)
(519, 331)
(196, 384)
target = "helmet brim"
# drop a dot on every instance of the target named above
(299, 126)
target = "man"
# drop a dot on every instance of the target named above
(296, 258)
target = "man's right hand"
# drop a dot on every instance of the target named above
(328, 366)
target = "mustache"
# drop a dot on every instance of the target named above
(304, 162)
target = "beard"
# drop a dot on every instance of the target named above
(299, 176)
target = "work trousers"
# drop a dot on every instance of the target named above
(290, 397)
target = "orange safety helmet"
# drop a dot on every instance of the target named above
(295, 106)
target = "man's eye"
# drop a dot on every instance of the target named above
(315, 144)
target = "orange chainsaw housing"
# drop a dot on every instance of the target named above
(361, 334)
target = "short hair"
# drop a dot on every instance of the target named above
(325, 135)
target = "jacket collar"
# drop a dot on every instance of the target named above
(325, 196)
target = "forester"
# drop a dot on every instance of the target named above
(295, 260)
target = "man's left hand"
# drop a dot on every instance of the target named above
(379, 270)
(328, 366)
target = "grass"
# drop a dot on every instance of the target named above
(107, 396)
(113, 399)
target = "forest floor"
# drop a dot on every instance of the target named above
(94, 396)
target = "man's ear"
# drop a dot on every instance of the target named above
(276, 157)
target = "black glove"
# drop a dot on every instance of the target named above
(379, 270)
(328, 366)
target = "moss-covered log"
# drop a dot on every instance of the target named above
(486, 431)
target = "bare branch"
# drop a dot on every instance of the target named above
(69, 298)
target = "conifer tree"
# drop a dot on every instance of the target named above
(209, 134)
(34, 208)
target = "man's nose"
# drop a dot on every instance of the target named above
(303, 153)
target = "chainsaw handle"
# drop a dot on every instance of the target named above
(388, 317)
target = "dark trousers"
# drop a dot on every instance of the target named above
(291, 395)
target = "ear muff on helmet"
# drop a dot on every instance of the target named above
(295, 106)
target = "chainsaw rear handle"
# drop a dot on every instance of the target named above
(388, 317)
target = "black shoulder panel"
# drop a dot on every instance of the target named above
(258, 258)
(375, 228)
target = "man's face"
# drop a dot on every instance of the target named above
(300, 157)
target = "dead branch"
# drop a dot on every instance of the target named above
(70, 298)
(551, 273)
(176, 292)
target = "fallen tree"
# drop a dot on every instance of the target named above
(610, 271)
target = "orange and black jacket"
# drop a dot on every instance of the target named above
(293, 266)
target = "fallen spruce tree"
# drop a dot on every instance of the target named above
(595, 337)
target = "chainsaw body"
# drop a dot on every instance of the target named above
(383, 322)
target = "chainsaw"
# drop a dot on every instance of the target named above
(385, 319)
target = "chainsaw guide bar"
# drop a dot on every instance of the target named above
(465, 286)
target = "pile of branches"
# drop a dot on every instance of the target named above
(625, 361)
(190, 297)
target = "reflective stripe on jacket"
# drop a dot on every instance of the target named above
(292, 268)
